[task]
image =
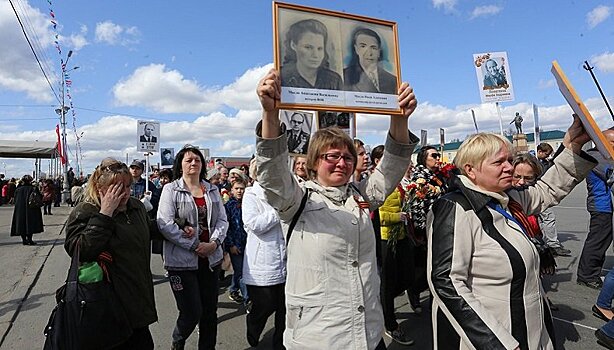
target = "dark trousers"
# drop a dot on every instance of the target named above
(139, 340)
(397, 274)
(597, 242)
(266, 300)
(47, 207)
(196, 297)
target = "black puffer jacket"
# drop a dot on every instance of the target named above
(127, 237)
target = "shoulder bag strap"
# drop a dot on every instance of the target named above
(297, 215)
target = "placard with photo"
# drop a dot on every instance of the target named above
(335, 61)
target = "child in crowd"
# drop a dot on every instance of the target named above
(236, 239)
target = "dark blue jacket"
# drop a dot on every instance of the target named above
(598, 199)
(236, 235)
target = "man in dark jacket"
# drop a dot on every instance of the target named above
(26, 221)
(599, 206)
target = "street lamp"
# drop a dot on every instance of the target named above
(61, 111)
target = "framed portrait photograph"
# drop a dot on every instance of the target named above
(298, 129)
(494, 77)
(346, 121)
(335, 61)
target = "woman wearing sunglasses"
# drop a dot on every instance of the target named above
(426, 185)
(332, 288)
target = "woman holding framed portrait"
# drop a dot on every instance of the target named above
(332, 287)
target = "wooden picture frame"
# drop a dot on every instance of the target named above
(299, 127)
(346, 121)
(574, 101)
(320, 55)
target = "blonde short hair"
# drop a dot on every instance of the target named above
(323, 140)
(475, 149)
(104, 175)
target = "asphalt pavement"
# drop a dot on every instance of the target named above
(31, 274)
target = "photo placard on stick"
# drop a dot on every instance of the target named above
(335, 61)
(579, 108)
(167, 157)
(148, 136)
(346, 121)
(299, 127)
(494, 77)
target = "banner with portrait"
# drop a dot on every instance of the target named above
(494, 77)
(167, 157)
(335, 61)
(345, 121)
(148, 136)
(299, 127)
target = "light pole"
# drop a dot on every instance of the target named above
(62, 113)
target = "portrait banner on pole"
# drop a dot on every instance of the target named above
(494, 77)
(148, 136)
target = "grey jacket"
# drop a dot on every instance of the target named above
(332, 287)
(176, 202)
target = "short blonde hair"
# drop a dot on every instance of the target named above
(475, 149)
(104, 175)
(323, 140)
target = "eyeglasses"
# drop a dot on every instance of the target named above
(334, 158)
(435, 155)
(525, 178)
(296, 121)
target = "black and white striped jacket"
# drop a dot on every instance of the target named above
(484, 272)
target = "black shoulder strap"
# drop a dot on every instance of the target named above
(297, 215)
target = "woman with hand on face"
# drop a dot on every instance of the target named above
(305, 63)
(332, 288)
(483, 268)
(109, 220)
(193, 263)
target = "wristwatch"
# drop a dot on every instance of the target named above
(217, 243)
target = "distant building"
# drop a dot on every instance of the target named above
(553, 137)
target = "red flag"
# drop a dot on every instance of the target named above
(57, 131)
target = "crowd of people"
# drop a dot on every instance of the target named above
(328, 243)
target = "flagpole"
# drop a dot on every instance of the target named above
(500, 118)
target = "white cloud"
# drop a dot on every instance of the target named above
(598, 15)
(19, 71)
(447, 5)
(168, 91)
(605, 62)
(485, 11)
(114, 34)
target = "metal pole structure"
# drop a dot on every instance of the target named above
(475, 123)
(500, 118)
(590, 70)
(62, 112)
(536, 135)
(147, 171)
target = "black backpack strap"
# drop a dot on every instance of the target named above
(297, 215)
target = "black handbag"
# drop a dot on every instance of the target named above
(87, 315)
(35, 200)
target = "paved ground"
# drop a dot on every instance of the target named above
(30, 276)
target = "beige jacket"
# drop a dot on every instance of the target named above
(482, 269)
(332, 288)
